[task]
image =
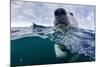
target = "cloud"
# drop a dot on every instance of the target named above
(42, 13)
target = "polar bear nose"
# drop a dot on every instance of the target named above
(59, 12)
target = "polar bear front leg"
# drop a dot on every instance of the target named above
(60, 51)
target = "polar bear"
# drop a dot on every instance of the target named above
(62, 21)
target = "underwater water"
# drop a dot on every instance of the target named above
(36, 50)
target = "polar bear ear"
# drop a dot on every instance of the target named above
(71, 14)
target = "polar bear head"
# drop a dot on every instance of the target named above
(62, 17)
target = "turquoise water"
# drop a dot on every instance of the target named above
(36, 51)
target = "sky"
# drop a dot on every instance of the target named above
(25, 13)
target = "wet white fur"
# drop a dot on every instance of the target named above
(72, 22)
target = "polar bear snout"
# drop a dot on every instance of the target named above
(59, 12)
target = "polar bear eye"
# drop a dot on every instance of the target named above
(71, 14)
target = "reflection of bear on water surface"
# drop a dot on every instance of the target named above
(62, 21)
